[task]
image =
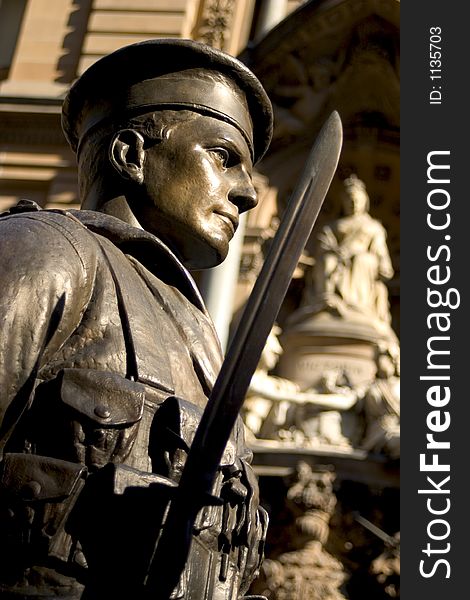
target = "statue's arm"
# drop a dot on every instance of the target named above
(343, 401)
(327, 240)
(44, 289)
(381, 250)
(284, 390)
(272, 388)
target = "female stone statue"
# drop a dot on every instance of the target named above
(353, 259)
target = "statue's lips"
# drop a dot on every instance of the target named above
(229, 219)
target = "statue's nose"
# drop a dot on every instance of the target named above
(243, 194)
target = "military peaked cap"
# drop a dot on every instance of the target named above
(159, 74)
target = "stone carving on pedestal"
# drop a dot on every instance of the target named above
(381, 405)
(267, 401)
(278, 409)
(306, 570)
(386, 569)
(319, 422)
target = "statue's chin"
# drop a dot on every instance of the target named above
(206, 258)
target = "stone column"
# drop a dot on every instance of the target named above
(218, 285)
(271, 13)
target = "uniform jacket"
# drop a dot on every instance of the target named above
(101, 324)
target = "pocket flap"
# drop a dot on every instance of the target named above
(106, 398)
(33, 477)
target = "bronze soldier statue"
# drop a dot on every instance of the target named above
(107, 354)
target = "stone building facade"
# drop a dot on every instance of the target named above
(46, 44)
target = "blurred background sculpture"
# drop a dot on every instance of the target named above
(381, 405)
(277, 408)
(268, 397)
(307, 570)
(353, 259)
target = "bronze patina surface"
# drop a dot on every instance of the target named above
(107, 354)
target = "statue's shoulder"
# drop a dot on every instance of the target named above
(27, 230)
(372, 223)
(27, 212)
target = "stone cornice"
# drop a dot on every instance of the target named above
(22, 126)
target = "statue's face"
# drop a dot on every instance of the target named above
(196, 183)
(354, 200)
(385, 366)
(272, 351)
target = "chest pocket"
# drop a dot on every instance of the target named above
(93, 416)
(105, 409)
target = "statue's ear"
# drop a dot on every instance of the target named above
(127, 154)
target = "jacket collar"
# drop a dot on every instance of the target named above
(149, 250)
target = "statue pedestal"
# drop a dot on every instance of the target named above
(317, 341)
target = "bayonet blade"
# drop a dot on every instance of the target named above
(243, 355)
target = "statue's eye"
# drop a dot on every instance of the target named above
(222, 155)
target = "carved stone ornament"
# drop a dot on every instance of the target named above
(214, 28)
(277, 408)
(300, 95)
(381, 405)
(306, 570)
(386, 569)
